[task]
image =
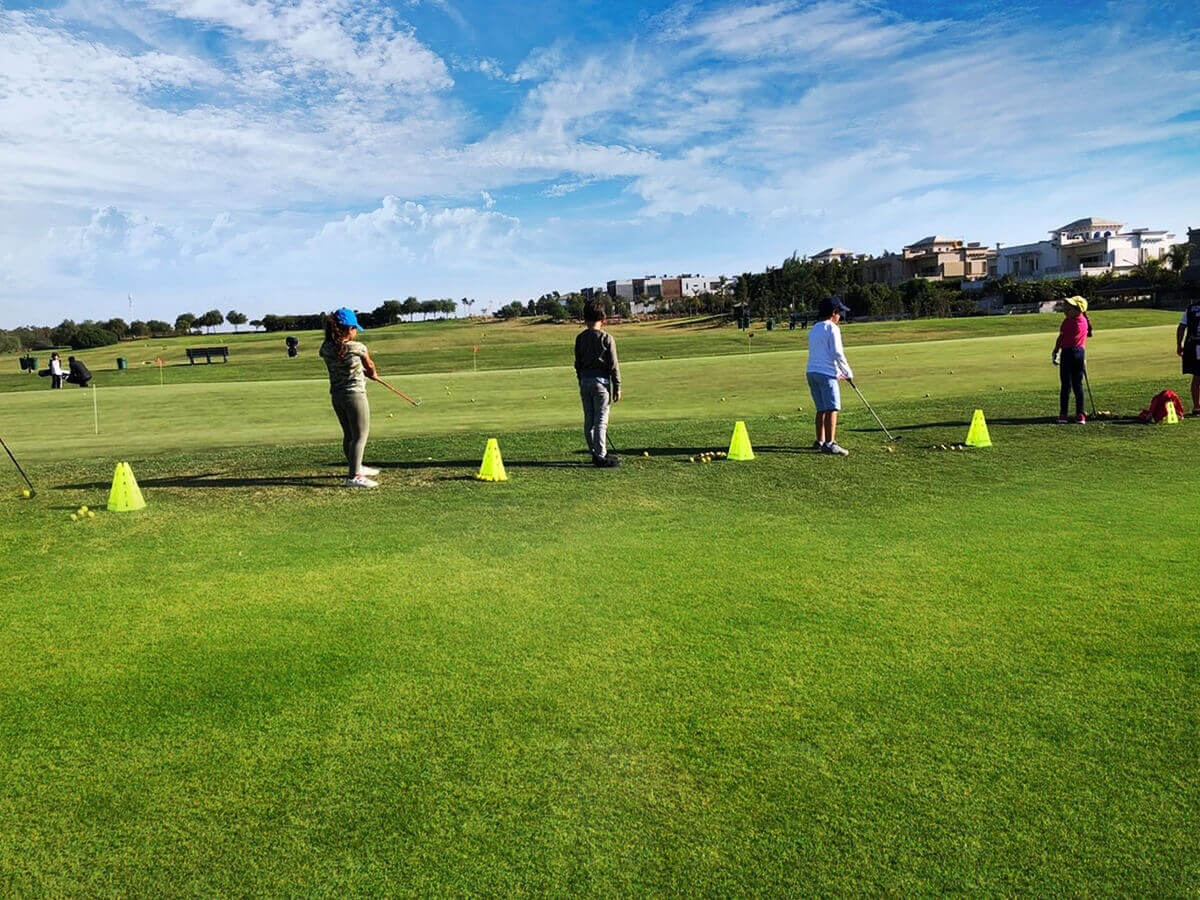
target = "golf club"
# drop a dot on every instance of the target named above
(398, 393)
(1088, 382)
(891, 438)
(608, 428)
(32, 489)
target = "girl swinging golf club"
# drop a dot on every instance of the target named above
(349, 364)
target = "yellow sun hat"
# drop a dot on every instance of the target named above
(1077, 301)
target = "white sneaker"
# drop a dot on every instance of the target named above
(835, 449)
(361, 481)
(368, 471)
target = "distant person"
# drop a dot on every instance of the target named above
(77, 372)
(350, 365)
(827, 365)
(1072, 339)
(56, 372)
(599, 375)
(1187, 345)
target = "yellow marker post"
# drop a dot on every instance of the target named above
(977, 434)
(739, 445)
(492, 467)
(1172, 416)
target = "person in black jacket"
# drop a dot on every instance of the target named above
(599, 376)
(1187, 346)
(77, 372)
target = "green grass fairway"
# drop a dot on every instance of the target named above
(905, 672)
(447, 346)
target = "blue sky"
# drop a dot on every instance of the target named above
(294, 155)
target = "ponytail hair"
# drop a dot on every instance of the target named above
(337, 334)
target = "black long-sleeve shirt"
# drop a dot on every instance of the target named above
(596, 356)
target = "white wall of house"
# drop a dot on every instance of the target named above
(1069, 256)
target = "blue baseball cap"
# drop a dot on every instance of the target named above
(346, 317)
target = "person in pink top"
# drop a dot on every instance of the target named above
(1072, 339)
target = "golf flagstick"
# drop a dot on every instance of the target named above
(32, 489)
(398, 393)
(890, 437)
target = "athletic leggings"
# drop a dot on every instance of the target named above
(1070, 376)
(355, 416)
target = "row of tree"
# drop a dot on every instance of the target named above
(387, 313)
(92, 333)
(560, 307)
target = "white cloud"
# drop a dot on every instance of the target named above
(563, 188)
(453, 236)
(361, 42)
(756, 127)
(112, 234)
(820, 32)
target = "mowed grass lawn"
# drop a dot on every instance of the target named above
(915, 671)
(450, 346)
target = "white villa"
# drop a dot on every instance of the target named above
(1084, 247)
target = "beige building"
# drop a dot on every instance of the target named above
(935, 257)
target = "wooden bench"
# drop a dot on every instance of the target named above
(194, 353)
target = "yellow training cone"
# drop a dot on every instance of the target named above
(1172, 416)
(125, 495)
(492, 468)
(739, 444)
(977, 434)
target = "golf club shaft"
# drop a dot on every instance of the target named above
(32, 489)
(868, 406)
(1091, 397)
(608, 430)
(398, 393)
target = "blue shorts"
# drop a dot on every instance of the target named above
(825, 392)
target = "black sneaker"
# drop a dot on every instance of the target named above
(609, 462)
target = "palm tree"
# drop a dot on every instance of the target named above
(1180, 255)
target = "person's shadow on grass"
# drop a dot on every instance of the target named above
(217, 480)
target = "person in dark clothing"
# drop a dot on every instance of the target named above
(1187, 347)
(1072, 338)
(599, 375)
(77, 372)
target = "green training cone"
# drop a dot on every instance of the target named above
(977, 434)
(125, 495)
(739, 444)
(492, 467)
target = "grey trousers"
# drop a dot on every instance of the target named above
(354, 414)
(595, 396)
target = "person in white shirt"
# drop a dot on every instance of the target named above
(56, 371)
(827, 364)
